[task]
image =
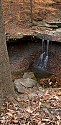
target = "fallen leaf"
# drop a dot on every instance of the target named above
(46, 92)
(14, 121)
(9, 114)
(39, 123)
(2, 121)
(58, 122)
(59, 105)
(46, 97)
(59, 93)
(56, 97)
(58, 117)
(40, 104)
(29, 110)
(46, 120)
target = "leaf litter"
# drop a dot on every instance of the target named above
(44, 109)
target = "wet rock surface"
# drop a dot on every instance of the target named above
(28, 75)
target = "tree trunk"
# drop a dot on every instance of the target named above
(6, 84)
(31, 11)
(9, 8)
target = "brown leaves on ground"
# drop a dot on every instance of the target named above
(53, 81)
(39, 107)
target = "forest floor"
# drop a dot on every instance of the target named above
(37, 106)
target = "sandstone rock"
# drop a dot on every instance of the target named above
(45, 36)
(38, 35)
(20, 35)
(55, 23)
(28, 83)
(58, 30)
(18, 88)
(28, 75)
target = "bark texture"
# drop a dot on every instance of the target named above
(6, 84)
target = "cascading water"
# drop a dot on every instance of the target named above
(46, 55)
(43, 59)
(40, 67)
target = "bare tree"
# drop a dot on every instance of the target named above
(6, 84)
(9, 8)
(31, 11)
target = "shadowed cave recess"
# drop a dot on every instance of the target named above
(30, 53)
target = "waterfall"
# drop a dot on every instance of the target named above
(47, 46)
(43, 59)
(45, 62)
(46, 55)
(40, 60)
